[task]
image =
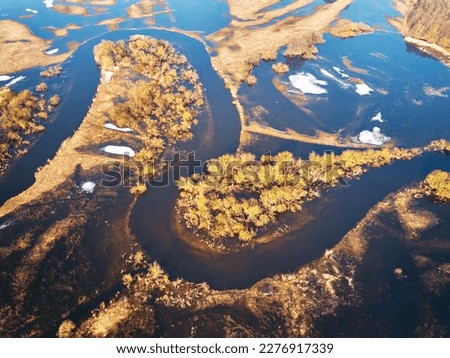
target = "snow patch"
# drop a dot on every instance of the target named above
(31, 10)
(115, 149)
(363, 89)
(15, 80)
(5, 78)
(88, 187)
(330, 75)
(48, 3)
(107, 75)
(375, 137)
(377, 118)
(341, 73)
(115, 128)
(308, 83)
(52, 52)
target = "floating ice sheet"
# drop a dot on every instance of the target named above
(308, 83)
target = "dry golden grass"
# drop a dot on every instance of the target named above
(90, 2)
(239, 48)
(72, 10)
(103, 2)
(247, 10)
(122, 84)
(64, 31)
(20, 49)
(322, 138)
(347, 63)
(259, 17)
(113, 23)
(145, 8)
(345, 28)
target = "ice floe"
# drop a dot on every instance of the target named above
(377, 118)
(48, 3)
(15, 80)
(4, 78)
(375, 137)
(115, 149)
(363, 89)
(52, 52)
(31, 10)
(333, 77)
(341, 73)
(115, 128)
(88, 187)
(308, 83)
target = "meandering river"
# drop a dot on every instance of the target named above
(412, 118)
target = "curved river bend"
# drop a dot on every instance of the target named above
(333, 215)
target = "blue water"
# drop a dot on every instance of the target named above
(411, 117)
(390, 66)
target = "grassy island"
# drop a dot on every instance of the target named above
(438, 184)
(163, 98)
(240, 195)
(20, 117)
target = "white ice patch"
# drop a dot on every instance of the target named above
(52, 52)
(4, 78)
(377, 118)
(115, 128)
(88, 187)
(330, 75)
(308, 83)
(375, 137)
(15, 80)
(48, 3)
(31, 10)
(108, 76)
(341, 73)
(120, 150)
(363, 90)
(4, 226)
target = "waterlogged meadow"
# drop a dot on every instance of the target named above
(276, 169)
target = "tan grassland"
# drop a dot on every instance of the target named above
(239, 49)
(20, 49)
(322, 138)
(91, 2)
(263, 17)
(64, 31)
(248, 10)
(345, 28)
(347, 63)
(145, 8)
(70, 9)
(113, 23)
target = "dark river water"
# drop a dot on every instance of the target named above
(411, 118)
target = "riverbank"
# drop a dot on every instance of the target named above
(423, 23)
